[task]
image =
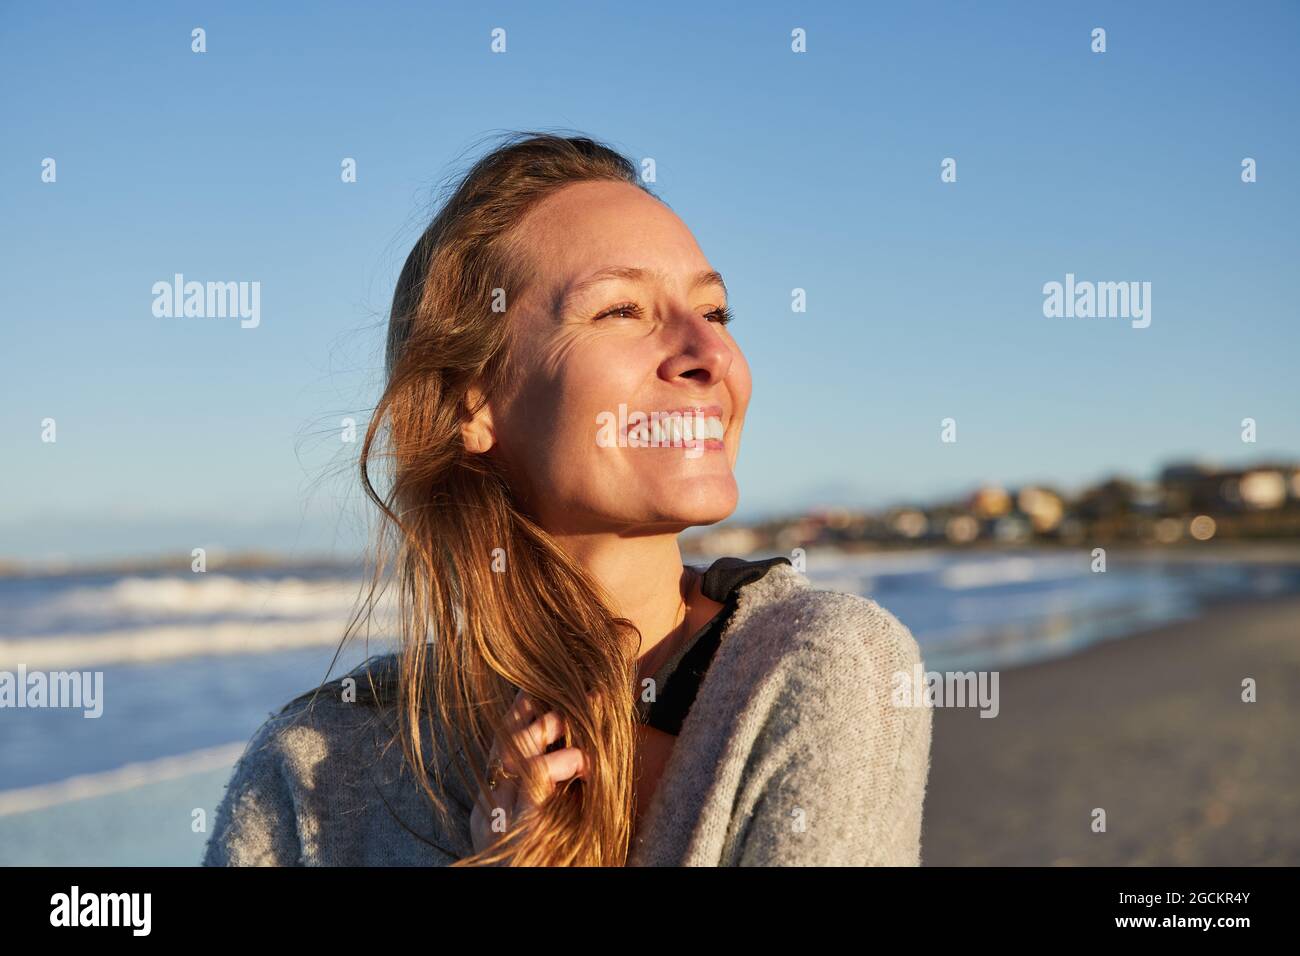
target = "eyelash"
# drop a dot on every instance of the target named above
(723, 313)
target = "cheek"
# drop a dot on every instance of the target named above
(556, 422)
(596, 380)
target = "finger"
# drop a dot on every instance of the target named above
(520, 713)
(565, 763)
(540, 734)
(555, 768)
(560, 765)
(532, 742)
(516, 720)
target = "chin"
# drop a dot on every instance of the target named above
(700, 501)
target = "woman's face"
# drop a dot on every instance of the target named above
(624, 310)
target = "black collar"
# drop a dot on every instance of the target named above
(677, 679)
(725, 576)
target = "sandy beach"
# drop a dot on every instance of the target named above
(1151, 728)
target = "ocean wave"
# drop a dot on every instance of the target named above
(202, 595)
(154, 644)
(989, 572)
(128, 777)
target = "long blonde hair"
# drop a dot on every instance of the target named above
(487, 602)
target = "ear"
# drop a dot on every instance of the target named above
(477, 431)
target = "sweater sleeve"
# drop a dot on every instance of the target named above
(256, 822)
(838, 772)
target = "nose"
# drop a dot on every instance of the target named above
(699, 352)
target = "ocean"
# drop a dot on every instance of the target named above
(193, 663)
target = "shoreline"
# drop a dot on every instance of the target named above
(1152, 729)
(1280, 551)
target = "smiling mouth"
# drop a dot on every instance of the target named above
(691, 426)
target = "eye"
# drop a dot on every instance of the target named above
(722, 315)
(629, 307)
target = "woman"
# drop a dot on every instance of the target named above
(565, 396)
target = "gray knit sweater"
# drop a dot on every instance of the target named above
(793, 754)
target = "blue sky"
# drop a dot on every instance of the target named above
(818, 171)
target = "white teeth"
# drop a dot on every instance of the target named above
(670, 430)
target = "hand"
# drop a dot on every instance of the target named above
(533, 734)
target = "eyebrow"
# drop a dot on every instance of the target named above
(565, 296)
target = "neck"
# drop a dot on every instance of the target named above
(647, 583)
